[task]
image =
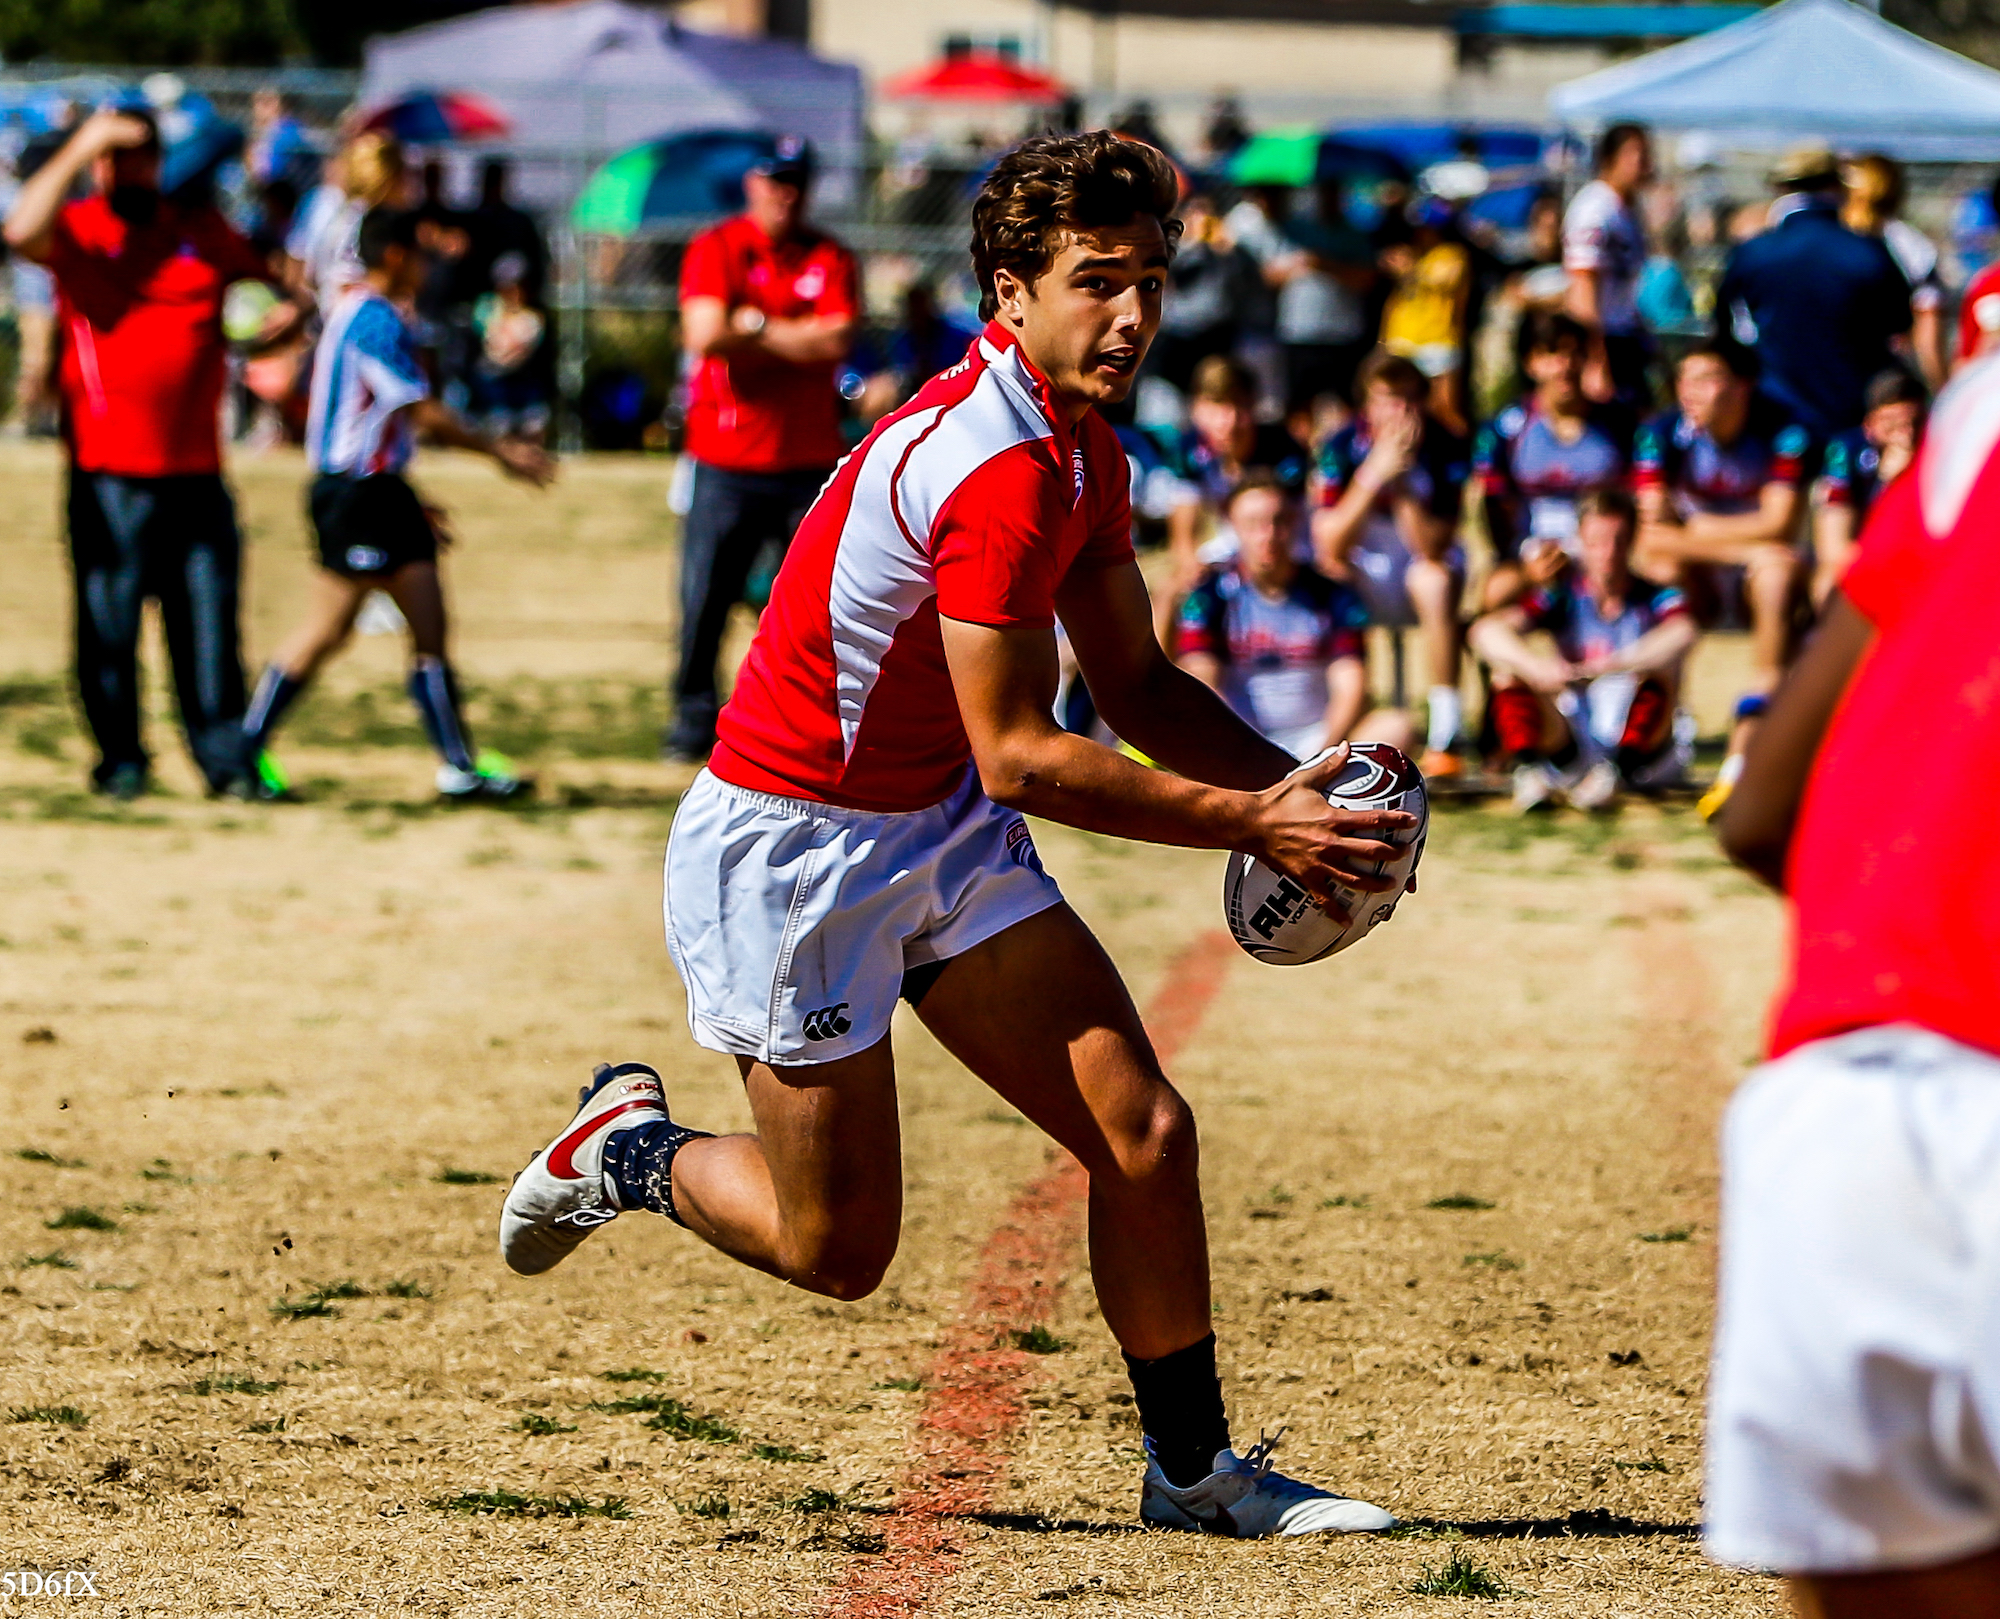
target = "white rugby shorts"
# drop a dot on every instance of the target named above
(1854, 1401)
(792, 923)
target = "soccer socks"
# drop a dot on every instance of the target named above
(1180, 1410)
(639, 1166)
(276, 691)
(435, 693)
(1447, 714)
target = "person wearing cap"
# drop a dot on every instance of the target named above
(140, 280)
(1821, 304)
(768, 311)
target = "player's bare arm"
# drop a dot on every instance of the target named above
(1240, 791)
(1661, 648)
(1501, 639)
(439, 423)
(1756, 823)
(32, 218)
(1725, 537)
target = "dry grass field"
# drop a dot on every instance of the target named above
(267, 1069)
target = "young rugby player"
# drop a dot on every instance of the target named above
(1859, 465)
(1854, 1407)
(858, 835)
(1391, 486)
(369, 398)
(1720, 481)
(1600, 714)
(1285, 645)
(1537, 459)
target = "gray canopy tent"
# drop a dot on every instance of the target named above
(1804, 69)
(582, 81)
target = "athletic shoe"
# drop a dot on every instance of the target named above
(1243, 1498)
(1535, 787)
(122, 782)
(1437, 763)
(1596, 788)
(559, 1199)
(1712, 801)
(272, 782)
(490, 781)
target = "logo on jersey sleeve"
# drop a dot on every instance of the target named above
(1076, 467)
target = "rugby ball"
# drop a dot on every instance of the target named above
(1276, 920)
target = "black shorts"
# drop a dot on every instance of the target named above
(369, 527)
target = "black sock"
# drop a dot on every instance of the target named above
(274, 694)
(639, 1164)
(1180, 1410)
(435, 693)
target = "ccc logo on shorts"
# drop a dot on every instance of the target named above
(827, 1023)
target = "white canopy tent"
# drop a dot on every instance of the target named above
(1803, 70)
(584, 80)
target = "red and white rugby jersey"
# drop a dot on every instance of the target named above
(973, 501)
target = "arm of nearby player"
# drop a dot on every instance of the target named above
(1500, 639)
(517, 458)
(30, 228)
(1756, 823)
(710, 327)
(1659, 649)
(1719, 537)
(1005, 679)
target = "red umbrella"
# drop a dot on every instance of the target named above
(977, 77)
(425, 117)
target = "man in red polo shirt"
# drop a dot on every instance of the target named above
(768, 306)
(139, 282)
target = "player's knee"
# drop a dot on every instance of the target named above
(1161, 1147)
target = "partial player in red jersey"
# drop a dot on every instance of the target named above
(858, 836)
(1854, 1424)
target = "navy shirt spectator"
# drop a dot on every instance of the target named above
(1820, 303)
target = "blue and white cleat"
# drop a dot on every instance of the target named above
(1243, 1498)
(559, 1199)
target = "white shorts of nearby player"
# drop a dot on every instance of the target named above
(792, 923)
(1854, 1407)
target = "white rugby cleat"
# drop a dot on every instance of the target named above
(559, 1199)
(1243, 1498)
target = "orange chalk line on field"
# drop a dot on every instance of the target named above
(977, 1388)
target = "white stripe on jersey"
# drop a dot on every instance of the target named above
(1964, 427)
(364, 371)
(881, 572)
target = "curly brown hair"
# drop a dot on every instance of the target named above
(1052, 186)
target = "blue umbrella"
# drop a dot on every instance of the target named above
(685, 176)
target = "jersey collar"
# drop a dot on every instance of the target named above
(1002, 354)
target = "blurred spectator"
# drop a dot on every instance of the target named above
(1226, 130)
(1873, 207)
(1858, 465)
(277, 148)
(141, 279)
(36, 401)
(1258, 224)
(1665, 300)
(1979, 308)
(1537, 459)
(1391, 488)
(510, 378)
(768, 310)
(929, 340)
(323, 246)
(1604, 251)
(1600, 714)
(1820, 303)
(1205, 461)
(1139, 122)
(444, 325)
(496, 226)
(1281, 642)
(1719, 482)
(1425, 318)
(1536, 282)
(276, 210)
(1321, 269)
(1212, 281)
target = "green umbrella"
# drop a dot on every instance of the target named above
(689, 176)
(1278, 157)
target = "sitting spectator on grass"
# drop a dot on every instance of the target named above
(1391, 485)
(1205, 461)
(1719, 481)
(1538, 458)
(1281, 642)
(1597, 715)
(1857, 466)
